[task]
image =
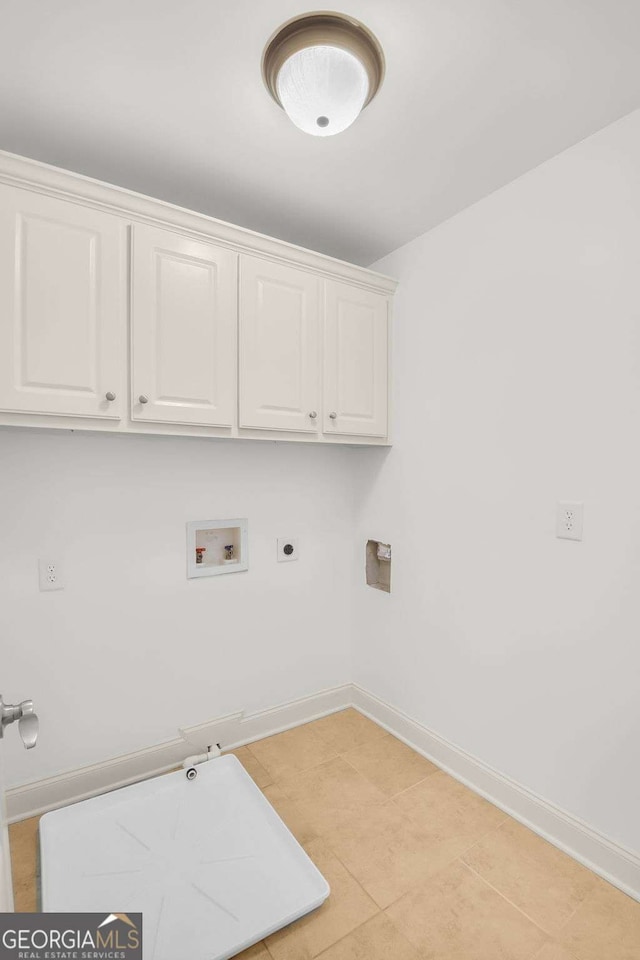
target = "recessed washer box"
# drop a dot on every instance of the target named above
(216, 546)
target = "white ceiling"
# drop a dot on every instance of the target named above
(165, 97)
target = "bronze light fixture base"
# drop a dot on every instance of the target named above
(323, 29)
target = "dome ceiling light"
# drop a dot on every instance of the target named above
(323, 69)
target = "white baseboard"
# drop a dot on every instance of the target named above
(605, 857)
(608, 859)
(236, 729)
(33, 799)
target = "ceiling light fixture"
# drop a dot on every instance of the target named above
(323, 69)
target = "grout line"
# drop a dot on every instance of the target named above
(538, 952)
(314, 766)
(583, 902)
(248, 746)
(505, 898)
(554, 942)
(401, 793)
(334, 756)
(326, 842)
(297, 773)
(319, 956)
(419, 884)
(365, 777)
(570, 917)
(485, 836)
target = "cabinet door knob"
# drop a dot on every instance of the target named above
(333, 415)
(313, 414)
(143, 399)
(110, 396)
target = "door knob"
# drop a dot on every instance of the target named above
(333, 415)
(143, 399)
(28, 723)
(313, 414)
(110, 396)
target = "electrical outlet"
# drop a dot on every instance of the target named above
(569, 521)
(287, 550)
(50, 575)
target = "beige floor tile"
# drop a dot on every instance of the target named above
(377, 849)
(23, 840)
(253, 767)
(449, 810)
(346, 909)
(293, 751)
(331, 794)
(542, 881)
(606, 925)
(291, 812)
(390, 764)
(257, 952)
(378, 939)
(388, 853)
(457, 916)
(25, 896)
(347, 729)
(554, 951)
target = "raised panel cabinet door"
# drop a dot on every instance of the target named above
(184, 329)
(356, 374)
(279, 347)
(62, 307)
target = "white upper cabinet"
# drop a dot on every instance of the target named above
(62, 307)
(124, 314)
(355, 361)
(184, 323)
(279, 347)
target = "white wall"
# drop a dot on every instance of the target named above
(131, 649)
(517, 383)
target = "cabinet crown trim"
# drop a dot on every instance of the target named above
(53, 181)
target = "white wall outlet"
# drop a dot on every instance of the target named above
(287, 549)
(50, 575)
(569, 520)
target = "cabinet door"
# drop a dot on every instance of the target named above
(356, 361)
(279, 347)
(62, 307)
(184, 323)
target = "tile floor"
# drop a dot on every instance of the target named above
(420, 868)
